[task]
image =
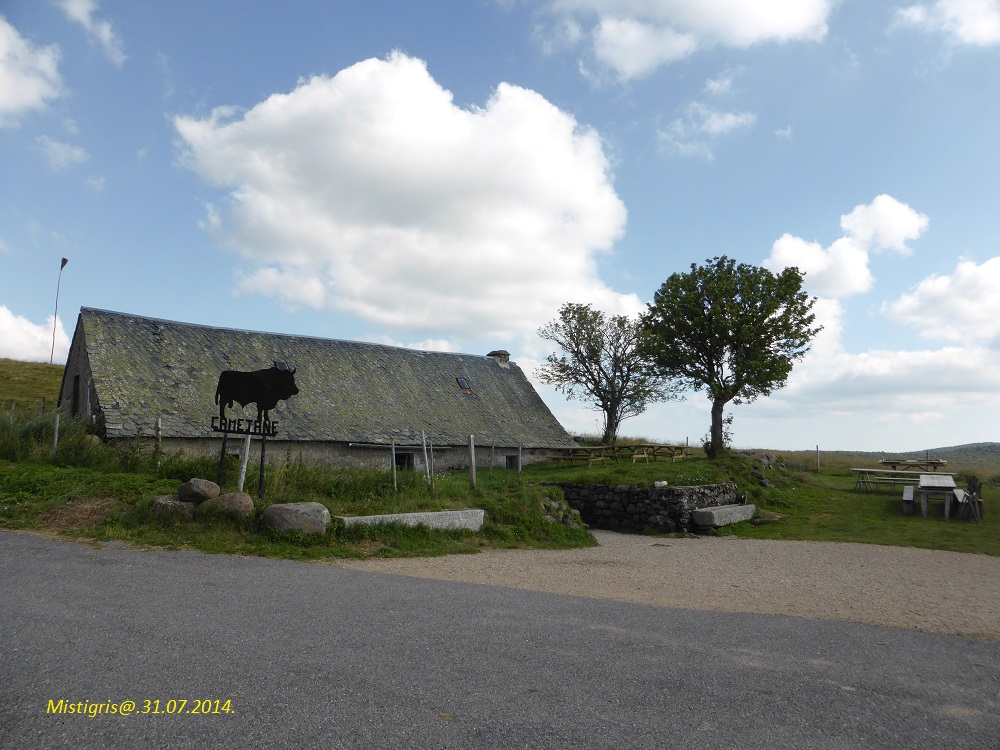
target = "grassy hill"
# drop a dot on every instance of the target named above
(27, 383)
(972, 456)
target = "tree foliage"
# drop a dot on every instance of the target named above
(733, 330)
(600, 364)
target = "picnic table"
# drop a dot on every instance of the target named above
(869, 479)
(589, 454)
(927, 464)
(592, 454)
(936, 484)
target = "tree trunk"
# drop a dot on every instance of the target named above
(611, 423)
(717, 444)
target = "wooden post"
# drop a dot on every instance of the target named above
(55, 439)
(244, 460)
(263, 449)
(472, 461)
(43, 405)
(427, 466)
(392, 460)
(431, 475)
(518, 462)
(222, 460)
(159, 441)
(493, 448)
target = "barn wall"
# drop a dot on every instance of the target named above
(78, 396)
(342, 455)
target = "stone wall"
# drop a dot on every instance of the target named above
(665, 509)
(343, 455)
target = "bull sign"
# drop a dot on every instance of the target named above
(265, 388)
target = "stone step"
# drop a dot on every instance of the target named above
(722, 515)
(444, 519)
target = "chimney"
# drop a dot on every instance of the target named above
(501, 356)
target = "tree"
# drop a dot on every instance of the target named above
(733, 330)
(600, 364)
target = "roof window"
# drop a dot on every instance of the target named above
(464, 385)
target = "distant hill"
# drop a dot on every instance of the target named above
(27, 383)
(970, 455)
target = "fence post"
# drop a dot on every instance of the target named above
(395, 487)
(427, 465)
(244, 460)
(55, 439)
(159, 441)
(472, 461)
(519, 463)
(43, 405)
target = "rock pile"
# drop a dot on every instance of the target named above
(202, 497)
(559, 511)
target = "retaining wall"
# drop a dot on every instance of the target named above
(665, 509)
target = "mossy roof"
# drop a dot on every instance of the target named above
(349, 391)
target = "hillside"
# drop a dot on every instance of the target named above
(27, 383)
(968, 456)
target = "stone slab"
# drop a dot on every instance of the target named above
(722, 515)
(445, 519)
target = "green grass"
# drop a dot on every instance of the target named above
(91, 491)
(88, 490)
(25, 384)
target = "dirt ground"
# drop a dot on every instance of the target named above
(929, 590)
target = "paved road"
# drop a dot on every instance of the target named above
(313, 656)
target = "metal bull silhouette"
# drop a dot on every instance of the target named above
(262, 387)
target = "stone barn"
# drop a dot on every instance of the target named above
(131, 374)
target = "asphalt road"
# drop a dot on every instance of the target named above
(314, 656)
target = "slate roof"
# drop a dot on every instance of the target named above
(349, 391)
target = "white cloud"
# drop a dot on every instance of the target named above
(696, 132)
(637, 36)
(721, 85)
(61, 155)
(373, 193)
(29, 75)
(971, 22)
(842, 269)
(884, 224)
(22, 340)
(82, 12)
(633, 48)
(962, 307)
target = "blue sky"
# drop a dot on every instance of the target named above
(446, 175)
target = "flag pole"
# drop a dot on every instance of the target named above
(55, 316)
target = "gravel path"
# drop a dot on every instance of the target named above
(928, 590)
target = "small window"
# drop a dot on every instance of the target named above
(511, 462)
(404, 461)
(464, 384)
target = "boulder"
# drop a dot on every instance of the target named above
(722, 515)
(236, 504)
(441, 519)
(198, 491)
(167, 504)
(309, 518)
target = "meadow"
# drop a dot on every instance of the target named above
(91, 491)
